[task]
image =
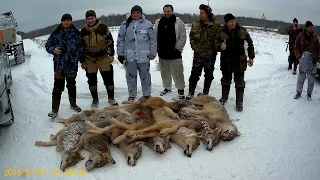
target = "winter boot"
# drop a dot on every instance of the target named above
(192, 88)
(181, 94)
(206, 87)
(309, 97)
(94, 94)
(131, 99)
(164, 92)
(111, 100)
(72, 99)
(225, 94)
(239, 100)
(56, 97)
(297, 96)
(190, 96)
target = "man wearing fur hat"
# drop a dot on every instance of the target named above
(293, 32)
(99, 52)
(171, 39)
(202, 35)
(65, 44)
(307, 51)
(136, 46)
(230, 42)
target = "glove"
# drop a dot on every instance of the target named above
(121, 59)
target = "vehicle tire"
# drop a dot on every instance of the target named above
(11, 112)
(19, 56)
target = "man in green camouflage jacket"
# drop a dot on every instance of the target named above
(230, 42)
(202, 37)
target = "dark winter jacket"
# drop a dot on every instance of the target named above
(308, 43)
(293, 36)
(202, 39)
(233, 58)
(166, 39)
(70, 43)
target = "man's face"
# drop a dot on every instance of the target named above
(66, 23)
(203, 15)
(136, 15)
(231, 24)
(310, 29)
(91, 20)
(167, 12)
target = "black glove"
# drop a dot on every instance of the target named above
(121, 59)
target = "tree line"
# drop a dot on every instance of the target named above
(116, 19)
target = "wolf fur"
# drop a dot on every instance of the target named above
(217, 116)
(97, 145)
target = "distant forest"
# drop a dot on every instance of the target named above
(116, 19)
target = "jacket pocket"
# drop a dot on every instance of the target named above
(142, 35)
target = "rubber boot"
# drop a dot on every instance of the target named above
(225, 94)
(239, 100)
(94, 94)
(111, 100)
(56, 97)
(192, 88)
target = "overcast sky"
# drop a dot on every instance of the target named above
(36, 14)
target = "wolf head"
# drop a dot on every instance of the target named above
(98, 159)
(191, 144)
(70, 158)
(229, 131)
(133, 152)
(211, 139)
(159, 144)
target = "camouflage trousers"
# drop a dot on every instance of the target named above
(306, 70)
(238, 79)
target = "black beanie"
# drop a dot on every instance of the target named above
(66, 17)
(295, 20)
(136, 8)
(308, 24)
(228, 17)
(91, 13)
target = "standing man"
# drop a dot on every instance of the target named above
(171, 39)
(136, 46)
(307, 53)
(66, 45)
(99, 52)
(293, 32)
(202, 35)
(230, 42)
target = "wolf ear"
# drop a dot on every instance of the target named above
(140, 143)
(168, 137)
(238, 133)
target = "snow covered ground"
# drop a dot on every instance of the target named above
(280, 136)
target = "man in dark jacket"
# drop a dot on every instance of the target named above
(202, 35)
(66, 45)
(293, 32)
(99, 52)
(171, 39)
(230, 42)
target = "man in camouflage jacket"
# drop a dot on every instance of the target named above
(66, 45)
(230, 42)
(293, 32)
(202, 37)
(99, 52)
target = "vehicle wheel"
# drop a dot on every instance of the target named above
(19, 53)
(11, 112)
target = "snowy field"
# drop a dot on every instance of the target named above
(279, 139)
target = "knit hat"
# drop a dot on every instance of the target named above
(228, 17)
(295, 20)
(66, 17)
(91, 13)
(136, 8)
(308, 24)
(207, 9)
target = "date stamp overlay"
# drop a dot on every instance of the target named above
(10, 172)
